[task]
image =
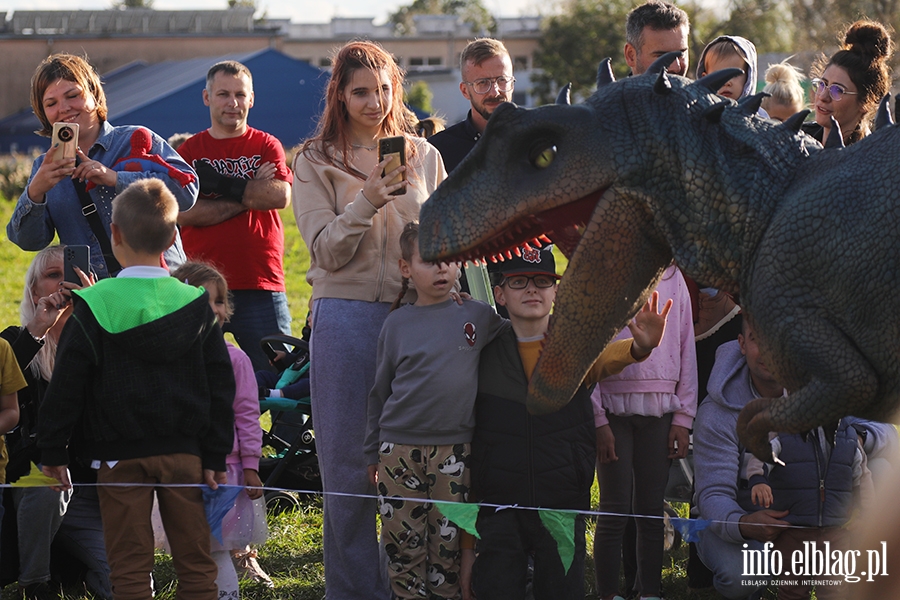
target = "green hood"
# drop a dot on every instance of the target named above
(124, 303)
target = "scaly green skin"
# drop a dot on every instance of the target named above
(808, 237)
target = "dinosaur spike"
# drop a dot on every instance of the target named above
(663, 61)
(750, 105)
(717, 79)
(565, 96)
(835, 138)
(662, 86)
(883, 117)
(713, 113)
(604, 73)
(794, 122)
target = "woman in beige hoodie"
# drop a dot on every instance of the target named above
(351, 222)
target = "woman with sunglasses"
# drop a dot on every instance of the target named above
(850, 85)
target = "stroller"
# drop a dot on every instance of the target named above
(289, 446)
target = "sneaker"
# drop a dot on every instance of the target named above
(247, 567)
(42, 590)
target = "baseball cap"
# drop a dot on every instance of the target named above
(532, 262)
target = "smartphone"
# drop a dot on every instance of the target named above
(395, 148)
(76, 256)
(65, 135)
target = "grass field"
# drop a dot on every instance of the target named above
(293, 554)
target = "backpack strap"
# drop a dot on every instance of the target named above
(89, 210)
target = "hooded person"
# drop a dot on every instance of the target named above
(727, 51)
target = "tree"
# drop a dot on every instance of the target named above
(574, 42)
(419, 95)
(134, 4)
(472, 12)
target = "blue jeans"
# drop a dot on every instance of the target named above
(81, 534)
(258, 313)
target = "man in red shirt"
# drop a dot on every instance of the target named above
(235, 224)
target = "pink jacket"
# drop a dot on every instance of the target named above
(247, 431)
(667, 381)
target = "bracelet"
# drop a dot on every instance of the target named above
(39, 340)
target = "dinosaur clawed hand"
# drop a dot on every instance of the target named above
(753, 427)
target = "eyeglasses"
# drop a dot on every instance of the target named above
(483, 86)
(520, 282)
(835, 90)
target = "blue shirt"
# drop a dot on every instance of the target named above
(33, 225)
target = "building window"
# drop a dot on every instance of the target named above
(520, 98)
(520, 63)
(416, 61)
(435, 61)
(325, 62)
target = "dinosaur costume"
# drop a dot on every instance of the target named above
(657, 168)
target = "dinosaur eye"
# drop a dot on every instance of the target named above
(542, 155)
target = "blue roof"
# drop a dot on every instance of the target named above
(167, 98)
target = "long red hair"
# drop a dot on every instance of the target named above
(333, 131)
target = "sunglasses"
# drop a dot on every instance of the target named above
(520, 282)
(835, 90)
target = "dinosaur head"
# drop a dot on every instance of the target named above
(602, 168)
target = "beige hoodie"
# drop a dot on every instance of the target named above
(354, 248)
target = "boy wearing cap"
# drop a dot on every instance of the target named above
(535, 461)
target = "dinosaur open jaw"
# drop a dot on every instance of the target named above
(555, 225)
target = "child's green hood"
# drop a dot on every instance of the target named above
(125, 303)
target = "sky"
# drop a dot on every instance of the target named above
(302, 11)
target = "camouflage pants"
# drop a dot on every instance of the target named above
(422, 545)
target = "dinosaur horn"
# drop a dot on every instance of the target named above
(750, 105)
(564, 96)
(604, 73)
(884, 113)
(663, 61)
(794, 122)
(835, 138)
(713, 113)
(662, 86)
(717, 79)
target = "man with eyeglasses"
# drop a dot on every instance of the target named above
(487, 82)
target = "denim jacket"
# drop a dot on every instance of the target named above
(33, 225)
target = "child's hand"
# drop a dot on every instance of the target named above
(253, 484)
(606, 445)
(59, 473)
(761, 494)
(679, 439)
(214, 478)
(648, 326)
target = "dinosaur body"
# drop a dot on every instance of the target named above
(658, 169)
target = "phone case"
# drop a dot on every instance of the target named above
(395, 147)
(65, 135)
(79, 256)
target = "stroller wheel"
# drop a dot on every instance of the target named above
(672, 537)
(279, 502)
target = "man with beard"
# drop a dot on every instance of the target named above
(487, 82)
(653, 29)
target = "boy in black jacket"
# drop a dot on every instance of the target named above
(542, 461)
(143, 372)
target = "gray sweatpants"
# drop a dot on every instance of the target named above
(342, 371)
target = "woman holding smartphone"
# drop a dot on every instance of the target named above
(351, 223)
(72, 196)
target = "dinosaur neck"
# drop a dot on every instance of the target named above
(730, 180)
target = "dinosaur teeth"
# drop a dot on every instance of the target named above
(545, 239)
(518, 252)
(527, 247)
(536, 243)
(509, 254)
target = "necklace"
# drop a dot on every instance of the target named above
(369, 148)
